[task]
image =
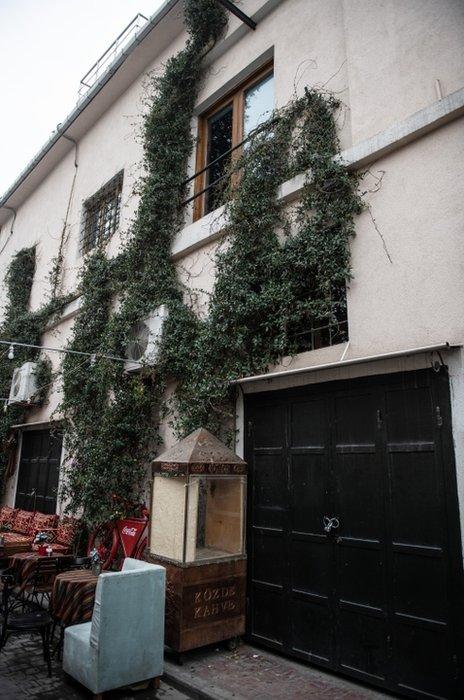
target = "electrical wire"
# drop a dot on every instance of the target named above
(92, 355)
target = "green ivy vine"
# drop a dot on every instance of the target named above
(278, 272)
(111, 416)
(23, 326)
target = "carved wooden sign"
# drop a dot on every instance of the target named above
(182, 469)
(217, 600)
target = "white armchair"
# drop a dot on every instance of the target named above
(124, 642)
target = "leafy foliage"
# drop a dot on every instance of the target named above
(266, 287)
(110, 415)
(276, 273)
(23, 326)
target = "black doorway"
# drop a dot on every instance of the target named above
(353, 530)
(39, 469)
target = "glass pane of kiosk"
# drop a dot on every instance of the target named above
(215, 517)
(198, 518)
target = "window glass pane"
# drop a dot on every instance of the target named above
(259, 104)
(219, 143)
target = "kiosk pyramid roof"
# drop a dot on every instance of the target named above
(200, 452)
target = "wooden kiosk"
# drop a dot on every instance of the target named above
(197, 533)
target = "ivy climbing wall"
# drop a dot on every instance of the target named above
(276, 273)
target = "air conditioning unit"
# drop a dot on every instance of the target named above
(145, 340)
(23, 384)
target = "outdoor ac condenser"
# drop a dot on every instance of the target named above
(23, 384)
(145, 340)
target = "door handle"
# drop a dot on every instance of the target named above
(330, 523)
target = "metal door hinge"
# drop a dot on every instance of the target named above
(438, 416)
(379, 419)
(250, 428)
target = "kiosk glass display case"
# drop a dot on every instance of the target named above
(197, 531)
(198, 518)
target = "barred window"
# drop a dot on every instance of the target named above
(332, 330)
(101, 214)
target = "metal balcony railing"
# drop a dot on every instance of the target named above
(118, 45)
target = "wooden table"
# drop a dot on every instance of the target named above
(24, 563)
(73, 596)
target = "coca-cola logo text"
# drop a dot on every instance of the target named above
(131, 531)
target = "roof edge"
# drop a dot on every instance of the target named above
(153, 22)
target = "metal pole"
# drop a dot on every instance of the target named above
(238, 13)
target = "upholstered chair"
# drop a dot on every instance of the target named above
(124, 642)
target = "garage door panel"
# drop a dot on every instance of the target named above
(308, 491)
(419, 585)
(422, 661)
(269, 430)
(308, 423)
(410, 415)
(311, 629)
(361, 576)
(363, 644)
(311, 567)
(355, 419)
(269, 489)
(359, 495)
(269, 618)
(416, 498)
(268, 557)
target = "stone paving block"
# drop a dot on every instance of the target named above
(23, 676)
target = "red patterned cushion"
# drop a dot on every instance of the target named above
(22, 521)
(15, 538)
(40, 521)
(15, 543)
(7, 515)
(67, 529)
(59, 548)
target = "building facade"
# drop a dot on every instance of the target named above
(355, 445)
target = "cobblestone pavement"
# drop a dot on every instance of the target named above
(250, 673)
(23, 674)
(211, 673)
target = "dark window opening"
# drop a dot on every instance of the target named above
(219, 145)
(101, 214)
(331, 330)
(221, 134)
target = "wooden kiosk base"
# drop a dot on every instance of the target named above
(205, 603)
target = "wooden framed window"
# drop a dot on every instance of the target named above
(225, 127)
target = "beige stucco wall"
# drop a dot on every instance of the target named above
(395, 51)
(382, 58)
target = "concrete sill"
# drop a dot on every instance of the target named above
(211, 226)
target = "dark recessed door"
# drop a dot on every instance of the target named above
(39, 468)
(353, 535)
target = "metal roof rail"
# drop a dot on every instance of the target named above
(101, 64)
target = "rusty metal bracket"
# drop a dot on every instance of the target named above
(238, 13)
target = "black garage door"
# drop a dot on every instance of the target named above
(353, 540)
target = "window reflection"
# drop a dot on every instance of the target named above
(219, 145)
(226, 129)
(259, 104)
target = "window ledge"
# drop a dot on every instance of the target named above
(212, 226)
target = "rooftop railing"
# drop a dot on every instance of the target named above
(118, 45)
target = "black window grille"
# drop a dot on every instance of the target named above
(322, 336)
(101, 214)
(332, 330)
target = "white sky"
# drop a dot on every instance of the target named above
(46, 47)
